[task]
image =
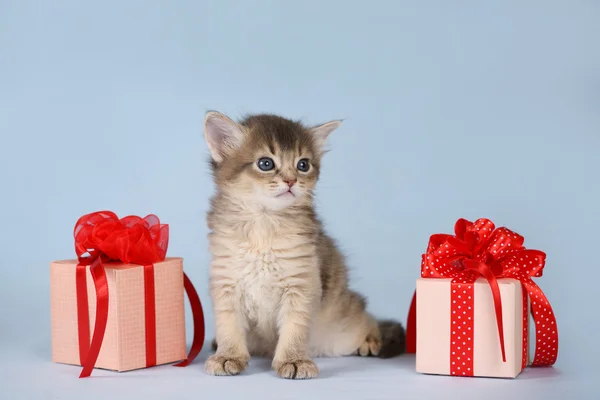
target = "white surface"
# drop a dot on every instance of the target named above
(27, 373)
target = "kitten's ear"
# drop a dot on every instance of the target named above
(222, 134)
(321, 132)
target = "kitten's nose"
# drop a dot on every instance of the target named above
(290, 182)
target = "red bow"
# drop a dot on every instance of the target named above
(479, 249)
(103, 237)
(129, 240)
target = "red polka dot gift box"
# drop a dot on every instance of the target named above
(470, 312)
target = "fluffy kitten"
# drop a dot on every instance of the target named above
(278, 283)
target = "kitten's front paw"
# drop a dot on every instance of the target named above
(300, 369)
(223, 365)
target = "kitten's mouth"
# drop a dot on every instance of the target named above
(288, 193)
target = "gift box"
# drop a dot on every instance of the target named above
(120, 305)
(472, 338)
(470, 312)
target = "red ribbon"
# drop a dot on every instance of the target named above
(480, 250)
(198, 314)
(103, 237)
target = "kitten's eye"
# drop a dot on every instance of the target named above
(266, 164)
(303, 165)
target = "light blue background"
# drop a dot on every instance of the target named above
(453, 109)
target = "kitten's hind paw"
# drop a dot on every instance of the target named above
(370, 347)
(300, 369)
(225, 365)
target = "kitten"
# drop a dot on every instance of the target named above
(278, 283)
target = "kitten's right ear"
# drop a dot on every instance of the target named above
(222, 134)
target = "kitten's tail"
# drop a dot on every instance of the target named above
(393, 338)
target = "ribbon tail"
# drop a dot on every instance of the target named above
(198, 316)
(525, 354)
(498, 306)
(487, 273)
(101, 286)
(411, 326)
(546, 329)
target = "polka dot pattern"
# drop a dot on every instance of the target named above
(482, 228)
(525, 358)
(502, 250)
(526, 262)
(461, 326)
(546, 330)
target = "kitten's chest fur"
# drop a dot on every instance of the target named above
(264, 253)
(259, 268)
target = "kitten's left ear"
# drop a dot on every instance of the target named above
(321, 132)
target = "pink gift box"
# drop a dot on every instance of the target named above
(461, 324)
(434, 330)
(124, 345)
